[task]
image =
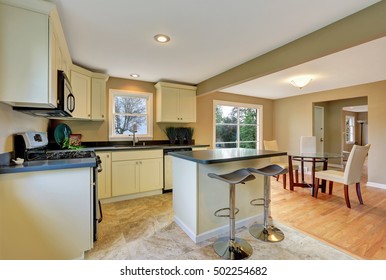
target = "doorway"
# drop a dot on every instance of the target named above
(318, 128)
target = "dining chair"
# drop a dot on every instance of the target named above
(350, 175)
(271, 145)
(307, 144)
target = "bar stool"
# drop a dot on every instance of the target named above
(265, 232)
(232, 248)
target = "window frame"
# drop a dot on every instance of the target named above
(149, 105)
(259, 128)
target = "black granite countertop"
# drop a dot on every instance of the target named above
(225, 155)
(40, 165)
(145, 147)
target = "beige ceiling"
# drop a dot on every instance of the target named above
(209, 37)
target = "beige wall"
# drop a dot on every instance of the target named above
(333, 126)
(290, 123)
(13, 122)
(203, 134)
(204, 125)
(98, 130)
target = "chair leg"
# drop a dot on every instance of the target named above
(277, 177)
(316, 187)
(284, 181)
(296, 176)
(346, 196)
(358, 187)
(330, 186)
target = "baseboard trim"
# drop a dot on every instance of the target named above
(376, 185)
(215, 232)
(129, 196)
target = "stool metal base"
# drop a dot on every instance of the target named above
(271, 234)
(232, 250)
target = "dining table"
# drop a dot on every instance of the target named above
(313, 158)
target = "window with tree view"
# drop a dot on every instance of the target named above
(130, 112)
(237, 126)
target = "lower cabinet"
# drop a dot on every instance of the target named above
(136, 172)
(46, 215)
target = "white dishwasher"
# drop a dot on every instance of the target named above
(168, 166)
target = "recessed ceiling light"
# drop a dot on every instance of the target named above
(161, 38)
(134, 75)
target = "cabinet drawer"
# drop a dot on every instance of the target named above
(130, 155)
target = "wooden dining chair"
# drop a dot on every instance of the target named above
(271, 145)
(351, 175)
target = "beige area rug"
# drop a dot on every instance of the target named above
(143, 229)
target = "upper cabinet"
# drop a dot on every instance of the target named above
(175, 103)
(33, 48)
(89, 89)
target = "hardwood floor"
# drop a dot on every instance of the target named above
(360, 231)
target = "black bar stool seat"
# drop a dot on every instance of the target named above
(232, 248)
(265, 232)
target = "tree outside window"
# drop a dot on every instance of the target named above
(237, 126)
(130, 112)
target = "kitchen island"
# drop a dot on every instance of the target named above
(196, 196)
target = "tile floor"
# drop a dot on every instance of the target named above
(143, 229)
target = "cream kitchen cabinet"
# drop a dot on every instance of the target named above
(46, 214)
(98, 96)
(136, 172)
(104, 177)
(32, 47)
(81, 87)
(89, 90)
(175, 103)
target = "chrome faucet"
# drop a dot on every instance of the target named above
(134, 129)
(134, 140)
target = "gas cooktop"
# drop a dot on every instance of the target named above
(32, 155)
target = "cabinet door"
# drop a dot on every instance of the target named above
(104, 177)
(24, 57)
(98, 97)
(81, 86)
(124, 177)
(150, 174)
(169, 104)
(187, 106)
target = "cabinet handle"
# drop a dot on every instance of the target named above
(107, 156)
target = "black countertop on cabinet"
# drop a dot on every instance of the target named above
(145, 147)
(225, 155)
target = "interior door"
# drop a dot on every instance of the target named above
(319, 128)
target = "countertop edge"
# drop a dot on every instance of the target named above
(150, 147)
(45, 165)
(223, 160)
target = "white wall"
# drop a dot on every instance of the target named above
(12, 122)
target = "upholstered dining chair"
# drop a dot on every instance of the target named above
(271, 145)
(307, 144)
(351, 175)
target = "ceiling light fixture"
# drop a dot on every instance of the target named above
(134, 75)
(161, 38)
(300, 82)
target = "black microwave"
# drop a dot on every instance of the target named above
(65, 101)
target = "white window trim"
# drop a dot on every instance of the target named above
(236, 104)
(113, 137)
